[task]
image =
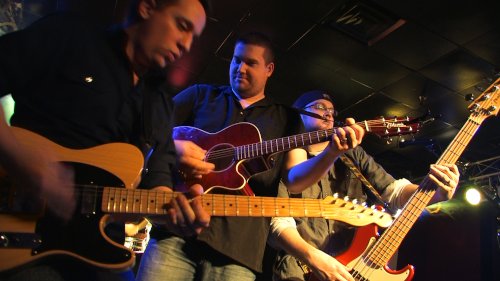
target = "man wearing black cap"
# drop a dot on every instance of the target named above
(300, 239)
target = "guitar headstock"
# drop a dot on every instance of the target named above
(487, 104)
(395, 126)
(353, 213)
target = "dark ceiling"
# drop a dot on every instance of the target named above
(377, 58)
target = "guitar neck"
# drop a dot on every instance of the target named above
(282, 144)
(389, 242)
(146, 202)
(381, 127)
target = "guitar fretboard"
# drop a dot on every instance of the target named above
(146, 202)
(282, 144)
(389, 242)
(380, 127)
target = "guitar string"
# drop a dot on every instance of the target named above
(458, 142)
(375, 260)
(382, 238)
(269, 206)
(286, 141)
(302, 136)
(423, 203)
(427, 194)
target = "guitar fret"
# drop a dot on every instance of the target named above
(237, 207)
(164, 207)
(155, 204)
(224, 205)
(114, 200)
(262, 207)
(275, 209)
(249, 208)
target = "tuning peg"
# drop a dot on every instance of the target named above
(373, 207)
(354, 201)
(346, 198)
(479, 88)
(335, 195)
(469, 97)
(388, 140)
(363, 204)
(474, 107)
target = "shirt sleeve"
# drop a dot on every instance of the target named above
(184, 104)
(278, 225)
(393, 191)
(161, 162)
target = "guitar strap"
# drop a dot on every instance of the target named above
(350, 164)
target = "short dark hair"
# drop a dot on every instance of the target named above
(259, 39)
(163, 3)
(132, 16)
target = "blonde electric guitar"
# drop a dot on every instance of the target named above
(29, 235)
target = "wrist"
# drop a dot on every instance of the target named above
(331, 152)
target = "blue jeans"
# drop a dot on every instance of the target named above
(175, 259)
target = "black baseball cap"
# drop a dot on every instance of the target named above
(311, 96)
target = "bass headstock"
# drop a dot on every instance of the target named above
(487, 104)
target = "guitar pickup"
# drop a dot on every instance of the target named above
(19, 240)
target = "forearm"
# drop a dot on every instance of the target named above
(410, 189)
(291, 242)
(301, 176)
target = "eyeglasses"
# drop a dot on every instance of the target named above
(323, 108)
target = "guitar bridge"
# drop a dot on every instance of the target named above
(19, 240)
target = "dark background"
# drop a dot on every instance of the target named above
(377, 58)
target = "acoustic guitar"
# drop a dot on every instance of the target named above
(238, 151)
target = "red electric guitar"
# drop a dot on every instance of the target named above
(368, 257)
(238, 151)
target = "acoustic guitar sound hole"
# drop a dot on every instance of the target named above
(222, 156)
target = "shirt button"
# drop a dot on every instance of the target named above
(241, 113)
(89, 79)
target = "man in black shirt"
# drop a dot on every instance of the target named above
(80, 87)
(232, 248)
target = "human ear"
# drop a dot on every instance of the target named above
(270, 69)
(145, 8)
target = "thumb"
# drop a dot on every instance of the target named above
(196, 190)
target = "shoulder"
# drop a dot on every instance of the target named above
(200, 91)
(64, 22)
